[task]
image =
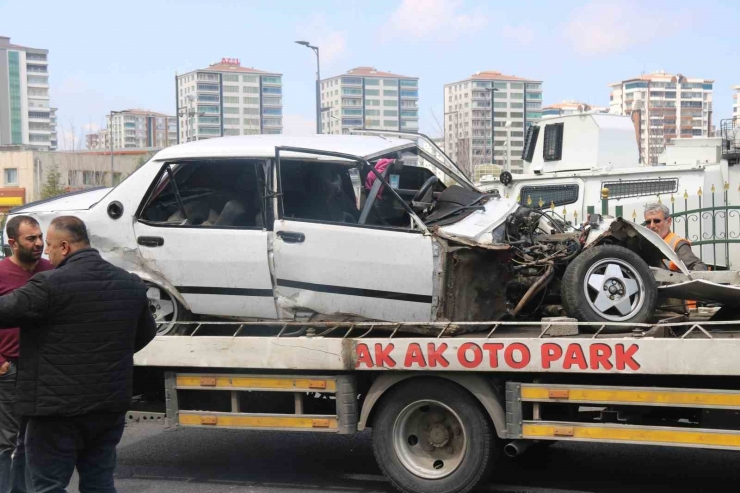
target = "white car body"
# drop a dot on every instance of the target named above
(337, 272)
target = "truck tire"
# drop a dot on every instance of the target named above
(609, 283)
(432, 436)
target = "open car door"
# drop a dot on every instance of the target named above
(335, 254)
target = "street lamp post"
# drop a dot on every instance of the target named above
(110, 136)
(318, 83)
(493, 120)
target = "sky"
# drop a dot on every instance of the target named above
(107, 56)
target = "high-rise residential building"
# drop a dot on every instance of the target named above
(228, 99)
(571, 108)
(736, 102)
(517, 105)
(140, 128)
(25, 113)
(664, 107)
(369, 98)
(53, 128)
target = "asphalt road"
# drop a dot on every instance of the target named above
(219, 461)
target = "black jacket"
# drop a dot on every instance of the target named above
(81, 324)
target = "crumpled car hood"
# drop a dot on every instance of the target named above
(477, 226)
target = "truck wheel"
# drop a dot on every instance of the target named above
(167, 311)
(609, 283)
(432, 436)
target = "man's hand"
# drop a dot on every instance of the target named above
(4, 368)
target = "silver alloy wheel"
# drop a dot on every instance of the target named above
(429, 439)
(164, 308)
(614, 289)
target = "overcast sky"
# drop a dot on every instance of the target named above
(115, 55)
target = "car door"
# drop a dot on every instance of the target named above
(202, 228)
(328, 261)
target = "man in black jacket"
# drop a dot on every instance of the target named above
(80, 324)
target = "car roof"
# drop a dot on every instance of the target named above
(263, 146)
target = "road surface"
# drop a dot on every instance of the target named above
(221, 461)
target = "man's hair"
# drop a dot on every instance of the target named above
(658, 207)
(14, 225)
(74, 227)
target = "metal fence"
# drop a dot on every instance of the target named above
(711, 222)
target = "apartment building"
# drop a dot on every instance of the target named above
(468, 119)
(140, 128)
(664, 107)
(369, 98)
(571, 108)
(25, 113)
(228, 99)
(736, 102)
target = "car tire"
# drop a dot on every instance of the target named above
(609, 283)
(432, 436)
(168, 312)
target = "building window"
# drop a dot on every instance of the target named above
(230, 121)
(212, 98)
(409, 94)
(390, 82)
(214, 120)
(272, 111)
(372, 82)
(391, 93)
(534, 95)
(230, 110)
(636, 85)
(412, 124)
(271, 80)
(231, 131)
(410, 113)
(16, 132)
(208, 109)
(272, 122)
(231, 88)
(272, 101)
(390, 123)
(367, 112)
(251, 89)
(409, 83)
(534, 115)
(351, 91)
(390, 112)
(209, 131)
(231, 78)
(390, 103)
(354, 112)
(207, 77)
(208, 87)
(249, 78)
(355, 81)
(252, 122)
(552, 149)
(353, 121)
(251, 111)
(372, 92)
(272, 90)
(11, 176)
(373, 102)
(251, 100)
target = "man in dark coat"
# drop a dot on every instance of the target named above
(80, 326)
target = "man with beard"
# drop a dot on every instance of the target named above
(27, 242)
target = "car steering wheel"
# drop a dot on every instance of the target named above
(425, 188)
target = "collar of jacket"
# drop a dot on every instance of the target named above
(78, 255)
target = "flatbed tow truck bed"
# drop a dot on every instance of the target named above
(443, 407)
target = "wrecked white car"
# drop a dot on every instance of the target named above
(351, 228)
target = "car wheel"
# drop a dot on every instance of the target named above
(609, 283)
(431, 436)
(167, 311)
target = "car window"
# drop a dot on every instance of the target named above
(215, 194)
(337, 193)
